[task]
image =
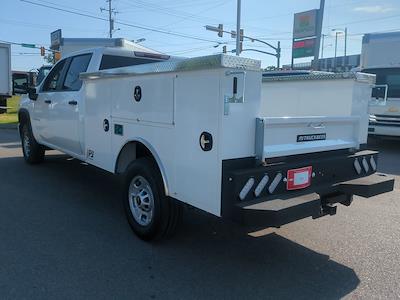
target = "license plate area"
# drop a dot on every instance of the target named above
(299, 178)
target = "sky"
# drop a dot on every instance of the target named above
(183, 24)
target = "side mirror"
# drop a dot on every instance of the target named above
(32, 93)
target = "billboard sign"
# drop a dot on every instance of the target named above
(305, 24)
(55, 38)
(304, 48)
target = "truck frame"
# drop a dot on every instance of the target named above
(187, 131)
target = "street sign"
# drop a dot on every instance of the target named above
(305, 24)
(28, 45)
(303, 48)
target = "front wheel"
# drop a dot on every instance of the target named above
(32, 150)
(151, 214)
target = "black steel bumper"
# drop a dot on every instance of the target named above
(337, 176)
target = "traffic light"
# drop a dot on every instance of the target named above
(57, 56)
(224, 49)
(220, 30)
(42, 51)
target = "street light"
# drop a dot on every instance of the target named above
(241, 37)
(337, 32)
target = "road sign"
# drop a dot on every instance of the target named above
(305, 24)
(303, 48)
(28, 45)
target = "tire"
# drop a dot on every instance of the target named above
(32, 150)
(151, 214)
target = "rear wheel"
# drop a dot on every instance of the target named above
(151, 214)
(32, 150)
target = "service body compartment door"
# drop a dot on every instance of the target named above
(276, 137)
(98, 122)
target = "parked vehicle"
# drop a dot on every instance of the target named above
(381, 56)
(190, 131)
(5, 75)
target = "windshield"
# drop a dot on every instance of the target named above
(389, 76)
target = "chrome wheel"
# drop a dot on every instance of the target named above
(141, 200)
(26, 143)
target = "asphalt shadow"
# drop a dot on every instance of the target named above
(389, 156)
(64, 235)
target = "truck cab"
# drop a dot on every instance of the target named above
(380, 56)
(58, 110)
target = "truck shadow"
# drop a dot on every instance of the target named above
(73, 221)
(389, 154)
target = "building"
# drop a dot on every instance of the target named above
(331, 64)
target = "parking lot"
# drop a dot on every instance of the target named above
(63, 235)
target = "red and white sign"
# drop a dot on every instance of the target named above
(299, 178)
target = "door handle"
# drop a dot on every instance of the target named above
(73, 102)
(47, 101)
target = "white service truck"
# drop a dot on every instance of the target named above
(5, 75)
(380, 55)
(191, 131)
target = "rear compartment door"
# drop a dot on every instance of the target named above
(276, 137)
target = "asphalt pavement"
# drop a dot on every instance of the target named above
(63, 235)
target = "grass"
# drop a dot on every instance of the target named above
(11, 116)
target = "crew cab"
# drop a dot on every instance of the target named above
(193, 131)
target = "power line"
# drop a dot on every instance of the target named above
(182, 35)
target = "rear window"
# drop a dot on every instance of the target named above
(113, 61)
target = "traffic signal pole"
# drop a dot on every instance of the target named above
(239, 11)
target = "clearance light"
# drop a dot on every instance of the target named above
(365, 165)
(246, 189)
(357, 166)
(373, 163)
(275, 183)
(261, 185)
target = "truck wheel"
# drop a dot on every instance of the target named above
(151, 214)
(33, 152)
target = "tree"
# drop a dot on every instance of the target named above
(49, 58)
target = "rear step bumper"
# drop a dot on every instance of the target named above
(281, 211)
(260, 194)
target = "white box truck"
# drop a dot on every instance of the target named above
(5, 75)
(192, 131)
(381, 56)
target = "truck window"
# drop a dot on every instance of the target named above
(79, 64)
(54, 77)
(114, 61)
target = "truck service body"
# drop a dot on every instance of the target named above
(192, 131)
(381, 56)
(5, 75)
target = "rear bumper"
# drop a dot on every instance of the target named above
(336, 178)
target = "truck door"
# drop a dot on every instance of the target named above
(42, 106)
(67, 107)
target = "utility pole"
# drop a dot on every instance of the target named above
(110, 18)
(323, 45)
(239, 12)
(336, 40)
(319, 32)
(345, 42)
